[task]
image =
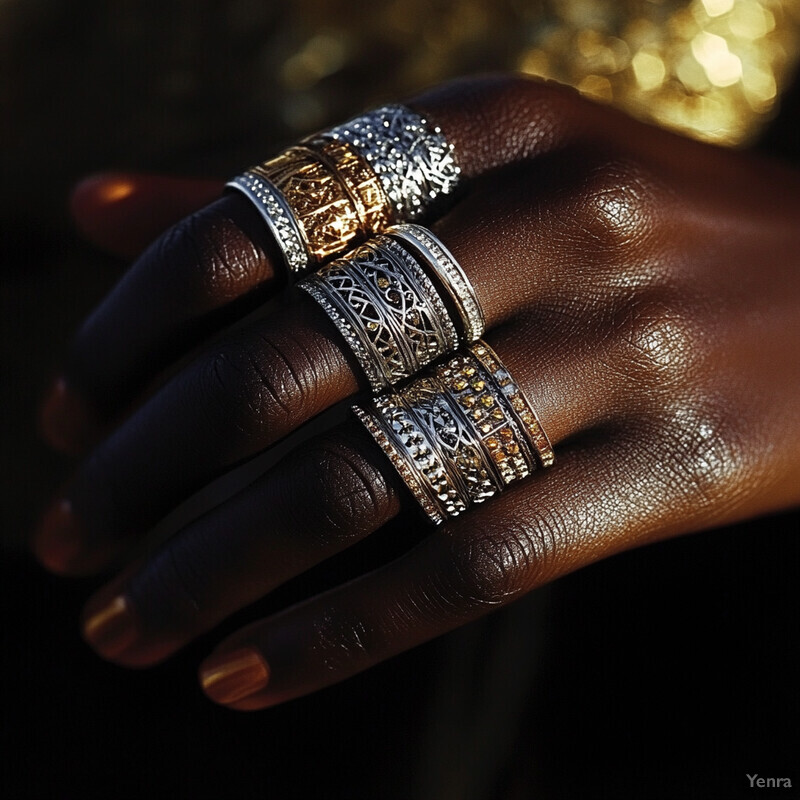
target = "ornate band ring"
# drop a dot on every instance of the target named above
(454, 435)
(427, 246)
(278, 215)
(343, 185)
(386, 308)
(417, 459)
(412, 158)
(312, 200)
(516, 401)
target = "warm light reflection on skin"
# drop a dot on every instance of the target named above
(114, 191)
(710, 68)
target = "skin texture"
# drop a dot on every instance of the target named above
(643, 290)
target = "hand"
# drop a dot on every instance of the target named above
(643, 289)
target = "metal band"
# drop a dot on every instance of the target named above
(517, 402)
(322, 206)
(272, 206)
(453, 278)
(413, 160)
(387, 309)
(342, 320)
(476, 395)
(468, 460)
(456, 435)
(360, 181)
(417, 459)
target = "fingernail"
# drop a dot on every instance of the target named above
(60, 538)
(232, 676)
(111, 629)
(64, 419)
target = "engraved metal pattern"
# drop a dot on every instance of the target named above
(432, 405)
(322, 206)
(477, 396)
(518, 403)
(412, 158)
(414, 455)
(405, 466)
(444, 265)
(360, 181)
(276, 212)
(360, 349)
(454, 435)
(386, 308)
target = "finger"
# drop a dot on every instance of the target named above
(122, 212)
(327, 495)
(177, 291)
(180, 290)
(598, 500)
(232, 402)
(259, 385)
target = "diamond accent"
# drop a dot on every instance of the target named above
(273, 207)
(412, 158)
(449, 272)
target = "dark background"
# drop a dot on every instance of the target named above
(667, 672)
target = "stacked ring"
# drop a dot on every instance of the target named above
(458, 434)
(444, 266)
(340, 186)
(386, 308)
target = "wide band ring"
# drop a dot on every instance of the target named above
(428, 247)
(341, 186)
(315, 202)
(459, 433)
(412, 158)
(386, 308)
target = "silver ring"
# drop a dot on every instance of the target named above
(458, 434)
(449, 272)
(280, 219)
(466, 458)
(412, 158)
(416, 458)
(386, 308)
(517, 403)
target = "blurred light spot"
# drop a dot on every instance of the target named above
(750, 21)
(722, 67)
(596, 86)
(715, 8)
(649, 70)
(759, 87)
(534, 62)
(322, 55)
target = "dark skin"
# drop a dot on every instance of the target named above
(643, 289)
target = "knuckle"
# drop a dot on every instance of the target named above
(491, 569)
(216, 257)
(655, 344)
(261, 386)
(616, 208)
(705, 457)
(338, 495)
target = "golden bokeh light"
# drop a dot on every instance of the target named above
(713, 69)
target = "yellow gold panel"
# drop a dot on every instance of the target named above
(322, 206)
